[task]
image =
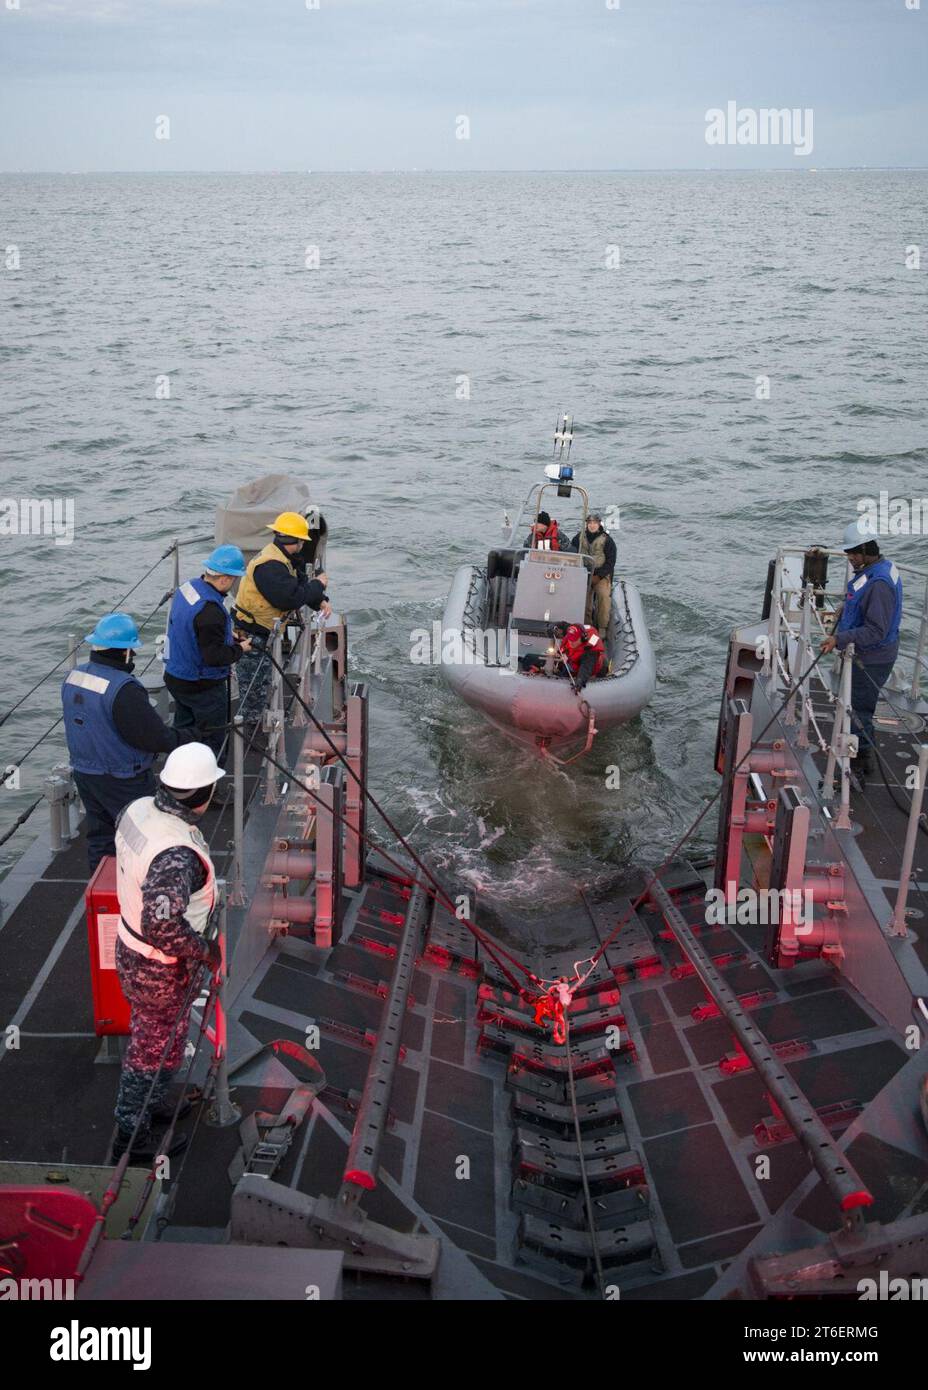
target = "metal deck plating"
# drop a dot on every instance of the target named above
(697, 1185)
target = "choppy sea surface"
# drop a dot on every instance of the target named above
(412, 378)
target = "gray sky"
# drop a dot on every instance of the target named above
(379, 84)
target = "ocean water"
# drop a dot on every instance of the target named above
(412, 379)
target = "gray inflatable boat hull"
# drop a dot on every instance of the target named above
(545, 712)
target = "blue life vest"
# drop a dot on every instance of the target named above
(94, 743)
(182, 656)
(851, 615)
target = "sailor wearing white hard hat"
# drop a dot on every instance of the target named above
(166, 885)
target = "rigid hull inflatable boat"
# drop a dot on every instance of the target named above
(499, 614)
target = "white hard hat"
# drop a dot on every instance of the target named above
(858, 534)
(190, 766)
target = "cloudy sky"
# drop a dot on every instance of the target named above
(380, 84)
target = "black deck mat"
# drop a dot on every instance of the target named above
(324, 1166)
(647, 1006)
(54, 1099)
(796, 983)
(470, 1241)
(344, 1066)
(466, 1201)
(854, 1073)
(449, 1029)
(304, 994)
(716, 1248)
(815, 1016)
(684, 995)
(461, 1094)
(695, 1180)
(205, 1190)
(28, 935)
(373, 966)
(65, 1004)
(715, 942)
(789, 1166)
(893, 1176)
(710, 1041)
(664, 1050)
(667, 1103)
(743, 1098)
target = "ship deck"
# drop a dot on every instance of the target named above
(669, 1135)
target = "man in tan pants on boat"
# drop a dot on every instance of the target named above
(600, 546)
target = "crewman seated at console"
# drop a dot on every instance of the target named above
(544, 535)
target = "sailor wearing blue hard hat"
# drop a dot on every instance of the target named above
(112, 729)
(201, 647)
(870, 618)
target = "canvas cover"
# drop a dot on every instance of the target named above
(243, 520)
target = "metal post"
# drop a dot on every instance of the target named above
(839, 749)
(304, 672)
(176, 549)
(237, 893)
(74, 644)
(58, 792)
(335, 638)
(920, 649)
(273, 718)
(223, 1111)
(773, 630)
(897, 925)
(804, 660)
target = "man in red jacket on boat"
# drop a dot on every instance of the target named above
(544, 534)
(582, 650)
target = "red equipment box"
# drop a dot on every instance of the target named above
(110, 1007)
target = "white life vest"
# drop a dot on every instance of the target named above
(142, 833)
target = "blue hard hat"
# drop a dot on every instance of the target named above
(115, 630)
(226, 559)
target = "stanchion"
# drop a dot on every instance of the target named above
(897, 925)
(223, 1110)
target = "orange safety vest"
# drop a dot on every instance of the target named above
(578, 640)
(550, 539)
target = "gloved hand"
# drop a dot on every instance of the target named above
(213, 955)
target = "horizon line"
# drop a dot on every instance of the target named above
(548, 169)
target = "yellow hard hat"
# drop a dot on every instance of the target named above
(290, 524)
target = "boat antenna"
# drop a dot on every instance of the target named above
(563, 434)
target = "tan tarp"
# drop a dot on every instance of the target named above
(242, 521)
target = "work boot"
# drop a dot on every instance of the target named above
(146, 1148)
(164, 1113)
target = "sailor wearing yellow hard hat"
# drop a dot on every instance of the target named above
(272, 587)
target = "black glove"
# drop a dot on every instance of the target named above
(213, 955)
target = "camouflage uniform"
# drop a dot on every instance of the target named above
(156, 992)
(253, 672)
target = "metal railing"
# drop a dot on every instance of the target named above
(801, 614)
(789, 602)
(58, 789)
